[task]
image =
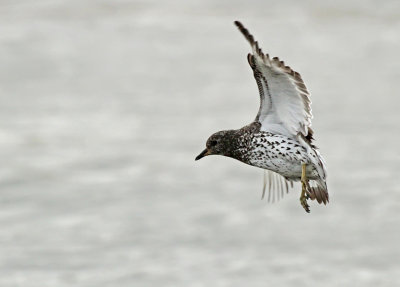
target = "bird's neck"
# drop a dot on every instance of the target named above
(237, 145)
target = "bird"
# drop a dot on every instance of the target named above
(280, 139)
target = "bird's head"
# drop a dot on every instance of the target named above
(220, 143)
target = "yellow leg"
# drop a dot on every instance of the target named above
(304, 185)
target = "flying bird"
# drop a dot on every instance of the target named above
(280, 139)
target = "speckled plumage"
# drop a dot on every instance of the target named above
(266, 150)
(279, 140)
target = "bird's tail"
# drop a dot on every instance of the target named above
(319, 191)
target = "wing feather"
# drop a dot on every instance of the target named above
(277, 185)
(285, 105)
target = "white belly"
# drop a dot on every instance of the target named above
(281, 155)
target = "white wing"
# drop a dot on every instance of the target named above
(285, 104)
(277, 185)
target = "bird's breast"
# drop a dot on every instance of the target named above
(278, 153)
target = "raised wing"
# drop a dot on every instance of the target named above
(285, 104)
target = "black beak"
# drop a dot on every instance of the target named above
(202, 154)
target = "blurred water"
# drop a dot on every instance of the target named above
(104, 106)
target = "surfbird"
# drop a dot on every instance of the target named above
(280, 139)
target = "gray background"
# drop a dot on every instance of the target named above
(105, 104)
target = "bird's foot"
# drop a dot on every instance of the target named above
(303, 197)
(305, 194)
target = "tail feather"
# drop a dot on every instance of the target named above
(318, 190)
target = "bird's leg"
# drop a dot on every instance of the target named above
(304, 185)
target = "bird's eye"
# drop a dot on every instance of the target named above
(213, 143)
